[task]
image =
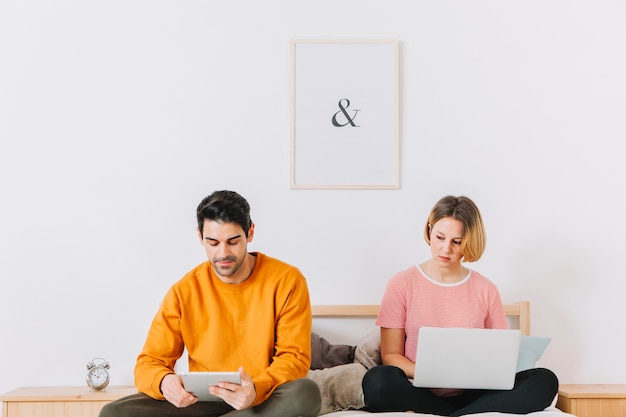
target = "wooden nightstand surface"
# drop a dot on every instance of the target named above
(67, 394)
(592, 390)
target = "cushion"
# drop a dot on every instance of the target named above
(530, 350)
(326, 355)
(367, 351)
(340, 387)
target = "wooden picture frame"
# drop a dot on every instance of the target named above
(345, 114)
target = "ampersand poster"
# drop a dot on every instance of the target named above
(345, 127)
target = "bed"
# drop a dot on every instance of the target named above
(340, 384)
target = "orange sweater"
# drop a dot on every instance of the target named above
(262, 324)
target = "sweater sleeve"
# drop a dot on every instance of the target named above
(163, 346)
(292, 350)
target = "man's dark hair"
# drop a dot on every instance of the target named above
(224, 207)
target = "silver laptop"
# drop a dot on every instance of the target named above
(466, 358)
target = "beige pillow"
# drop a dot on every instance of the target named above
(367, 351)
(340, 387)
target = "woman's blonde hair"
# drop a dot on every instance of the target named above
(464, 210)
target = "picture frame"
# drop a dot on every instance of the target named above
(345, 114)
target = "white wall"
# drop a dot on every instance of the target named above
(117, 117)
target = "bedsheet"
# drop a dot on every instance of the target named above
(549, 412)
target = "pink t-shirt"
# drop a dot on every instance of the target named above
(413, 300)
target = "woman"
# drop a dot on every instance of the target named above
(442, 292)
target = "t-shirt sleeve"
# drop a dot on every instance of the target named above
(393, 306)
(496, 317)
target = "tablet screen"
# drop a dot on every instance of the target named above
(198, 383)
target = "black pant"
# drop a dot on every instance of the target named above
(387, 388)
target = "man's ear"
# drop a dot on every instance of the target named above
(251, 233)
(200, 235)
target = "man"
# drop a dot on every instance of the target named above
(238, 311)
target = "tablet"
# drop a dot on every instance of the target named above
(198, 383)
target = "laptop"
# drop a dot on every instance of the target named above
(466, 358)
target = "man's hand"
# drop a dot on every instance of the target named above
(237, 396)
(174, 392)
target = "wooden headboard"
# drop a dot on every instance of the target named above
(519, 311)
